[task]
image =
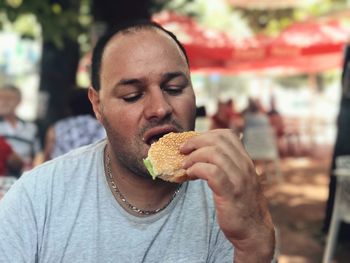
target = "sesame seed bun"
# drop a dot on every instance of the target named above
(164, 159)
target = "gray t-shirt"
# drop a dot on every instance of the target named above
(64, 211)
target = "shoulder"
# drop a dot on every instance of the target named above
(26, 122)
(88, 120)
(55, 179)
(64, 122)
(68, 166)
(28, 126)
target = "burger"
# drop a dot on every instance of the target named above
(164, 159)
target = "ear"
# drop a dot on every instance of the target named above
(94, 98)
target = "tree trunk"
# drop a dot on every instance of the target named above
(114, 12)
(58, 75)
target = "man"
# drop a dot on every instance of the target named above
(99, 204)
(21, 135)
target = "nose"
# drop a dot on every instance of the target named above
(157, 105)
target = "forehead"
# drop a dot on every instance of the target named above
(141, 51)
(131, 39)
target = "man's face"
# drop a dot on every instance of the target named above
(9, 101)
(145, 92)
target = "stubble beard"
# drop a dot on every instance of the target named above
(127, 153)
(131, 160)
(121, 151)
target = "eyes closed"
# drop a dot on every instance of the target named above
(137, 93)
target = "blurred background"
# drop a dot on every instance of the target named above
(289, 56)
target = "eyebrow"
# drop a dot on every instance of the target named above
(133, 81)
(171, 75)
(167, 77)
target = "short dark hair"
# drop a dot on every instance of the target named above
(78, 102)
(123, 28)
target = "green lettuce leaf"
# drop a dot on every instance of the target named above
(149, 167)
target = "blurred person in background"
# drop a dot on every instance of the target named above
(277, 124)
(258, 134)
(220, 118)
(226, 117)
(254, 115)
(79, 128)
(236, 120)
(21, 135)
(10, 162)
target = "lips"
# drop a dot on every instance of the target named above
(152, 135)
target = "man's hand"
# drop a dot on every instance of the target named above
(219, 157)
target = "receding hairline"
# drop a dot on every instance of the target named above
(134, 30)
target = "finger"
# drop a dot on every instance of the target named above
(221, 162)
(210, 154)
(225, 137)
(238, 167)
(221, 152)
(216, 179)
(203, 139)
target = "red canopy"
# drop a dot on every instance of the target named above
(305, 47)
(209, 49)
(310, 38)
(205, 48)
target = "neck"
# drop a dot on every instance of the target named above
(143, 193)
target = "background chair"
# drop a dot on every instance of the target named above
(341, 209)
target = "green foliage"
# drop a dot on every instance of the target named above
(181, 6)
(55, 21)
(220, 15)
(271, 22)
(28, 26)
(331, 76)
(216, 15)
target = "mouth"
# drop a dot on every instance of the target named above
(156, 133)
(155, 138)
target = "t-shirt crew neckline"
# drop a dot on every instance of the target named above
(136, 219)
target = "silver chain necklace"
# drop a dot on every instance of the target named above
(126, 202)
